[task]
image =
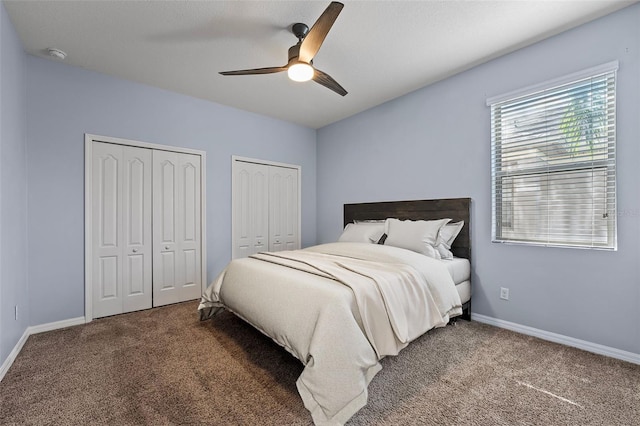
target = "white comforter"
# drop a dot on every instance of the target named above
(338, 308)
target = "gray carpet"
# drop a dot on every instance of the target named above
(162, 366)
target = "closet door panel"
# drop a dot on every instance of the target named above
(290, 214)
(242, 213)
(250, 186)
(164, 244)
(191, 268)
(276, 209)
(191, 207)
(260, 208)
(109, 282)
(135, 280)
(283, 209)
(176, 227)
(165, 278)
(189, 222)
(165, 188)
(137, 276)
(106, 229)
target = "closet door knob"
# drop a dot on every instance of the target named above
(166, 247)
(135, 250)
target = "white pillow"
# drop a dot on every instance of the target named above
(417, 235)
(448, 234)
(364, 232)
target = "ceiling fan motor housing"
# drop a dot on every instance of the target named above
(300, 30)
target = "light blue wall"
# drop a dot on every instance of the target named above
(435, 143)
(13, 189)
(64, 103)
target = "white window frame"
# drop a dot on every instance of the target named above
(498, 173)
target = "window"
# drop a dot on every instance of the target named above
(553, 162)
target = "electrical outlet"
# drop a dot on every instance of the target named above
(15, 312)
(504, 293)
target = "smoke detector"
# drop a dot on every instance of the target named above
(56, 53)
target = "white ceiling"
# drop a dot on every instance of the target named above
(377, 50)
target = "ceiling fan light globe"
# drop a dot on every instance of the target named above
(300, 72)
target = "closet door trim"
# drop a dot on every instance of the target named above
(236, 158)
(88, 213)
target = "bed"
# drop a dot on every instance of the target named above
(341, 307)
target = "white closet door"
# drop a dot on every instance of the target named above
(250, 208)
(136, 203)
(283, 209)
(176, 227)
(260, 208)
(121, 223)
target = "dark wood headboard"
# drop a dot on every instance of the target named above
(455, 209)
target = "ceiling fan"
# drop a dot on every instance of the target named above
(300, 66)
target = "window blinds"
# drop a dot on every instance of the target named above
(553, 164)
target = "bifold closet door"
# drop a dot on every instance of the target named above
(283, 208)
(121, 229)
(265, 208)
(176, 227)
(250, 208)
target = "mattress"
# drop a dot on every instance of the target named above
(460, 271)
(464, 290)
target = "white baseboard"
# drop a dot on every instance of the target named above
(559, 338)
(35, 330)
(13, 354)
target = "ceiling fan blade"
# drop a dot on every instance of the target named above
(269, 70)
(327, 81)
(313, 40)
